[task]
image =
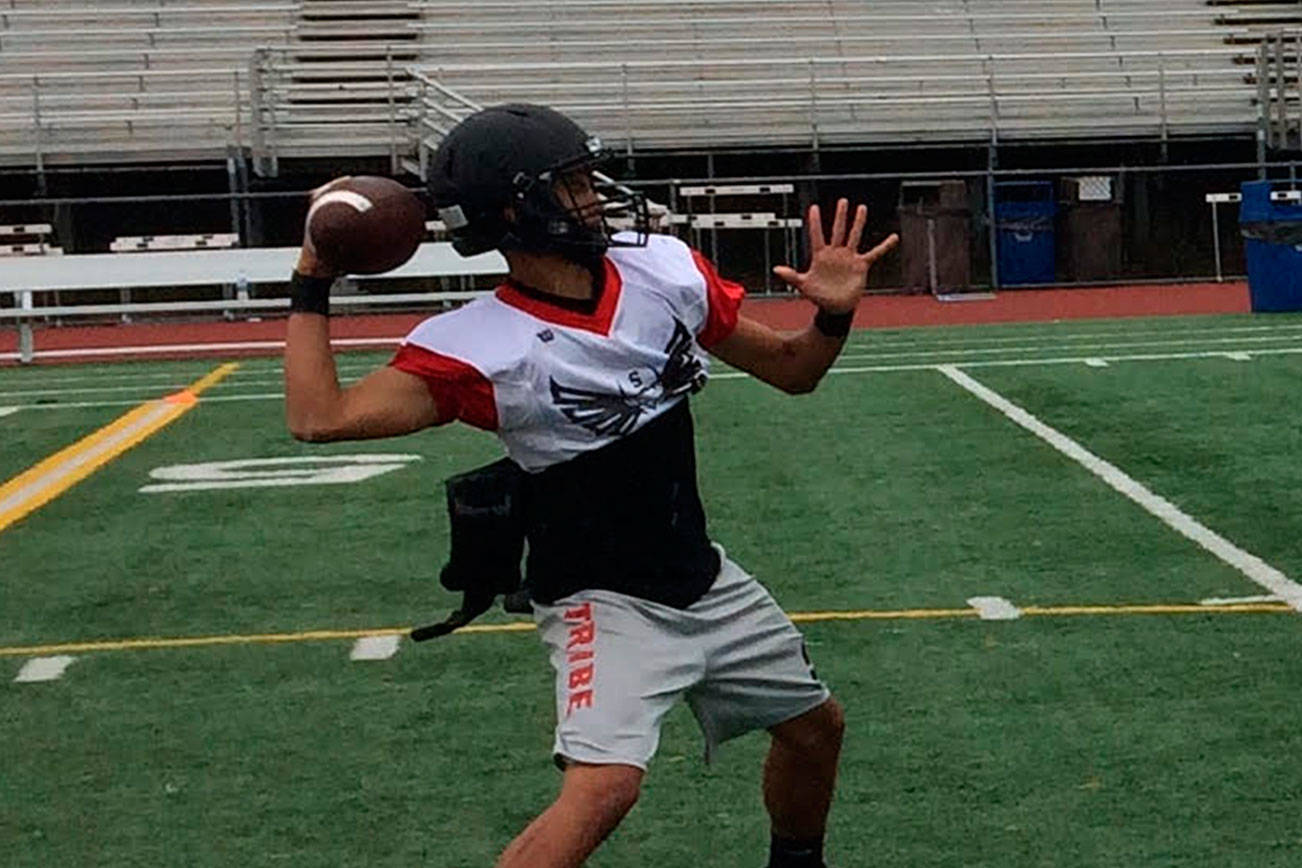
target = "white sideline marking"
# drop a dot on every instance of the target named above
(873, 341)
(891, 341)
(153, 349)
(108, 376)
(43, 669)
(1025, 363)
(374, 648)
(8, 411)
(1238, 357)
(1231, 601)
(79, 405)
(966, 347)
(149, 391)
(92, 352)
(58, 474)
(1123, 345)
(994, 608)
(738, 375)
(1250, 565)
(1096, 363)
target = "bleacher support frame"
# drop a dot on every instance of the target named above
(1279, 92)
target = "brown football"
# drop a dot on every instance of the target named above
(365, 224)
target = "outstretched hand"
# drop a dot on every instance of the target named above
(838, 272)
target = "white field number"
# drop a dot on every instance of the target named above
(274, 472)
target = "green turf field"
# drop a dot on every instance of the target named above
(1119, 722)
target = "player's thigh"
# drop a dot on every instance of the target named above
(758, 670)
(618, 672)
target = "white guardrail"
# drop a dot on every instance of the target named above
(25, 278)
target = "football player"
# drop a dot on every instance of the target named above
(582, 363)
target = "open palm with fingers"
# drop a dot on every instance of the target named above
(838, 272)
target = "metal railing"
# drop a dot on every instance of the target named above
(300, 107)
(815, 100)
(438, 108)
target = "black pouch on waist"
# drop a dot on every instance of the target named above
(486, 512)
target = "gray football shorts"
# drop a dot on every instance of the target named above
(621, 662)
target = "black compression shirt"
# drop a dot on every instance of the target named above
(626, 517)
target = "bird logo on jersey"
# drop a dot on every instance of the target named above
(604, 413)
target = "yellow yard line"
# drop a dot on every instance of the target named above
(525, 626)
(1161, 609)
(38, 485)
(881, 615)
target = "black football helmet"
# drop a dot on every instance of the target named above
(518, 156)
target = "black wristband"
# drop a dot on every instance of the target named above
(309, 294)
(833, 325)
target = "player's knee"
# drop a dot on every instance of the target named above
(829, 726)
(816, 732)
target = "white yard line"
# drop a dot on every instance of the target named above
(1249, 564)
(152, 390)
(971, 351)
(8, 411)
(214, 347)
(43, 669)
(1234, 601)
(873, 338)
(57, 476)
(113, 374)
(1093, 361)
(1021, 363)
(107, 375)
(394, 341)
(147, 392)
(81, 405)
(738, 375)
(374, 648)
(994, 608)
(859, 340)
(865, 340)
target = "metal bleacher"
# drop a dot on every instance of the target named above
(114, 80)
(127, 79)
(714, 72)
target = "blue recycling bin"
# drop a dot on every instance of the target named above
(1272, 246)
(1024, 221)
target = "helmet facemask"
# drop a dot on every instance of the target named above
(571, 210)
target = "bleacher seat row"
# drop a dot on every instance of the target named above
(150, 79)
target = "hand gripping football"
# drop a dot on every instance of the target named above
(365, 224)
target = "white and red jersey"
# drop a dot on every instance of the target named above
(554, 382)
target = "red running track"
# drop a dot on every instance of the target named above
(244, 338)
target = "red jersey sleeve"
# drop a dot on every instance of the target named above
(460, 391)
(723, 302)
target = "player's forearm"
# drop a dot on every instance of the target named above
(807, 356)
(794, 362)
(312, 394)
